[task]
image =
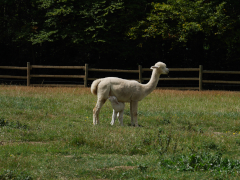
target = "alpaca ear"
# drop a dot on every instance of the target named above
(154, 67)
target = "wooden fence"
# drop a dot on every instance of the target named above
(140, 71)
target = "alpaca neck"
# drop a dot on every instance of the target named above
(152, 84)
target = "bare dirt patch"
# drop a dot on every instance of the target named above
(119, 167)
(4, 143)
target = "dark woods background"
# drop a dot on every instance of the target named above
(121, 34)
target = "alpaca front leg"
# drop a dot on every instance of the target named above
(131, 114)
(114, 116)
(120, 117)
(96, 111)
(133, 109)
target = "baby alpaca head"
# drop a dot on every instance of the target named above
(161, 68)
(113, 99)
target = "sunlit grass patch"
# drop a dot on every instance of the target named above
(48, 133)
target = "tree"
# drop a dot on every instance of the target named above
(209, 24)
(96, 28)
(16, 22)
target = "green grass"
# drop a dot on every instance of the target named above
(47, 133)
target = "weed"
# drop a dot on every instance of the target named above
(78, 141)
(142, 167)
(3, 122)
(190, 127)
(13, 174)
(164, 141)
(165, 122)
(210, 145)
(130, 124)
(137, 149)
(203, 161)
(147, 141)
(16, 124)
(238, 142)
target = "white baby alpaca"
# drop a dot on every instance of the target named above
(118, 109)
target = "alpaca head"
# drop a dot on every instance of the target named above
(161, 68)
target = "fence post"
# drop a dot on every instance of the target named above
(86, 75)
(28, 73)
(140, 73)
(200, 77)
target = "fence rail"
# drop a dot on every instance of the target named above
(13, 77)
(57, 67)
(13, 67)
(140, 71)
(221, 72)
(113, 70)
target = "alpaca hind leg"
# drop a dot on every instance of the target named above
(96, 111)
(114, 116)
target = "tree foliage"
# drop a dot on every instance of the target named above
(183, 19)
(103, 32)
(85, 21)
(210, 24)
(95, 27)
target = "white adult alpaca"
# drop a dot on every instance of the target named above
(118, 109)
(125, 91)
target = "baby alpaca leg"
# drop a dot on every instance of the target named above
(114, 116)
(120, 117)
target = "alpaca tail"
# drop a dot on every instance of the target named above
(94, 86)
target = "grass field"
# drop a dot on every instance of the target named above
(47, 133)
